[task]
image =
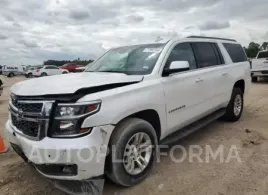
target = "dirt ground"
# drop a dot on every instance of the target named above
(248, 177)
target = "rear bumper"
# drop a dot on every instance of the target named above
(81, 158)
(261, 73)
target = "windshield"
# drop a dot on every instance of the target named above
(263, 54)
(138, 60)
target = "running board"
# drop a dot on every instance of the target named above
(185, 131)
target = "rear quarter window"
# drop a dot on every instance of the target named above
(236, 52)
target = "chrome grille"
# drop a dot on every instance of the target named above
(30, 107)
(29, 117)
(27, 127)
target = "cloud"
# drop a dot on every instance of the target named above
(3, 37)
(28, 43)
(81, 14)
(215, 25)
(265, 36)
(33, 31)
(8, 18)
(134, 18)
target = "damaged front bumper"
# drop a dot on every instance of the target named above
(74, 159)
(93, 186)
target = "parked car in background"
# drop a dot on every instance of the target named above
(82, 69)
(48, 71)
(1, 84)
(30, 71)
(70, 67)
(259, 66)
(127, 102)
(12, 70)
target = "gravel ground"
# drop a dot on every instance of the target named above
(248, 137)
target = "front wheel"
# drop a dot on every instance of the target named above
(43, 74)
(133, 147)
(235, 107)
(11, 75)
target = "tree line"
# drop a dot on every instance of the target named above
(253, 48)
(62, 62)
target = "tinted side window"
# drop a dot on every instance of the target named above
(236, 52)
(182, 52)
(51, 67)
(206, 54)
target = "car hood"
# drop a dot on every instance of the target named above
(70, 83)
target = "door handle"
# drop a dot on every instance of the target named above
(199, 80)
(224, 74)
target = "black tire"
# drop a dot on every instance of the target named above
(230, 110)
(254, 79)
(11, 74)
(43, 74)
(29, 75)
(64, 72)
(119, 139)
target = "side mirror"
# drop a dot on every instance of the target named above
(177, 66)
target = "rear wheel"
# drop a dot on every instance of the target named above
(43, 74)
(30, 75)
(132, 152)
(254, 79)
(235, 107)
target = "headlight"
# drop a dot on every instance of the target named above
(68, 118)
(66, 111)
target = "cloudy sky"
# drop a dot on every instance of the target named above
(32, 31)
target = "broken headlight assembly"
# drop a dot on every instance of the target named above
(68, 119)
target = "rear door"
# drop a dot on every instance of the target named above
(212, 76)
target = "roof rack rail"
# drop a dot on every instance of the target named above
(203, 37)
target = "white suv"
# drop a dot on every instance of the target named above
(48, 70)
(130, 99)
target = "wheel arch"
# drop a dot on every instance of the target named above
(149, 115)
(240, 84)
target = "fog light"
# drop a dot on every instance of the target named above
(70, 169)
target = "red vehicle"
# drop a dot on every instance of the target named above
(70, 66)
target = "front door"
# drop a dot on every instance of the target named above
(183, 90)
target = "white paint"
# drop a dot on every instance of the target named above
(196, 93)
